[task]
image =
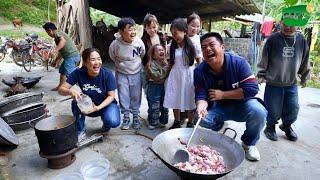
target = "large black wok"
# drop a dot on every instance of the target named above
(167, 143)
(27, 82)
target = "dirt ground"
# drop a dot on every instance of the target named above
(129, 155)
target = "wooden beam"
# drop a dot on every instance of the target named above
(234, 20)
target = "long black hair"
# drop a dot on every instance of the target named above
(188, 49)
(147, 21)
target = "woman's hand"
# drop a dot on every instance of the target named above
(75, 94)
(94, 109)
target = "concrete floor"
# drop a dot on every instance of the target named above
(129, 155)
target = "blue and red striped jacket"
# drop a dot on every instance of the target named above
(236, 74)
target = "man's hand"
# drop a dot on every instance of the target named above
(303, 84)
(215, 94)
(56, 62)
(261, 80)
(202, 108)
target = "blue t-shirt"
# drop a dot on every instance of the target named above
(96, 88)
(236, 74)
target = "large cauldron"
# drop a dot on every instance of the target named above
(167, 143)
(56, 135)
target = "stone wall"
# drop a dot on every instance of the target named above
(241, 46)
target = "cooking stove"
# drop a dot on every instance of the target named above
(60, 161)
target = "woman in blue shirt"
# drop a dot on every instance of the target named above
(99, 84)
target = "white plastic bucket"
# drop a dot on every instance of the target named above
(69, 176)
(95, 169)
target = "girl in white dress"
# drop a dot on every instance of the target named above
(179, 88)
(193, 22)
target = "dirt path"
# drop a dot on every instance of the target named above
(25, 28)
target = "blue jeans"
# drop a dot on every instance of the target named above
(251, 111)
(155, 97)
(69, 64)
(129, 92)
(282, 102)
(110, 116)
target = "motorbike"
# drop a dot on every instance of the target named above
(20, 53)
(3, 48)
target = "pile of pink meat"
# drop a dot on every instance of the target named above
(203, 160)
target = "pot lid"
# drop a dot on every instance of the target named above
(20, 108)
(7, 134)
(16, 97)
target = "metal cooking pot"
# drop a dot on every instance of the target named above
(24, 114)
(167, 143)
(18, 100)
(56, 134)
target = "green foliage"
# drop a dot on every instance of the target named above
(30, 11)
(313, 84)
(221, 25)
(108, 19)
(274, 7)
(20, 34)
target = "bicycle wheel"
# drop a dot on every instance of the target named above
(36, 58)
(17, 58)
(27, 61)
(2, 55)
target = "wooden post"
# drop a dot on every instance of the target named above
(49, 10)
(263, 10)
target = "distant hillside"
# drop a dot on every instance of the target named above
(30, 11)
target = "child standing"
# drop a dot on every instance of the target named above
(127, 52)
(157, 70)
(179, 85)
(193, 31)
(151, 36)
(193, 22)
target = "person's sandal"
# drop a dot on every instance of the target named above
(190, 125)
(176, 124)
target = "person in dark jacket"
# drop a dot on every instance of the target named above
(285, 57)
(224, 90)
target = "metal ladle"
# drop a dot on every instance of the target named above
(182, 155)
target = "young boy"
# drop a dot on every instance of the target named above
(127, 51)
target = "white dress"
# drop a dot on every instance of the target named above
(179, 88)
(197, 46)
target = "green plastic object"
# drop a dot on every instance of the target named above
(291, 2)
(296, 15)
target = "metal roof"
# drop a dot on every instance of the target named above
(167, 10)
(254, 18)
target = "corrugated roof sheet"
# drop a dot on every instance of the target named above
(167, 10)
